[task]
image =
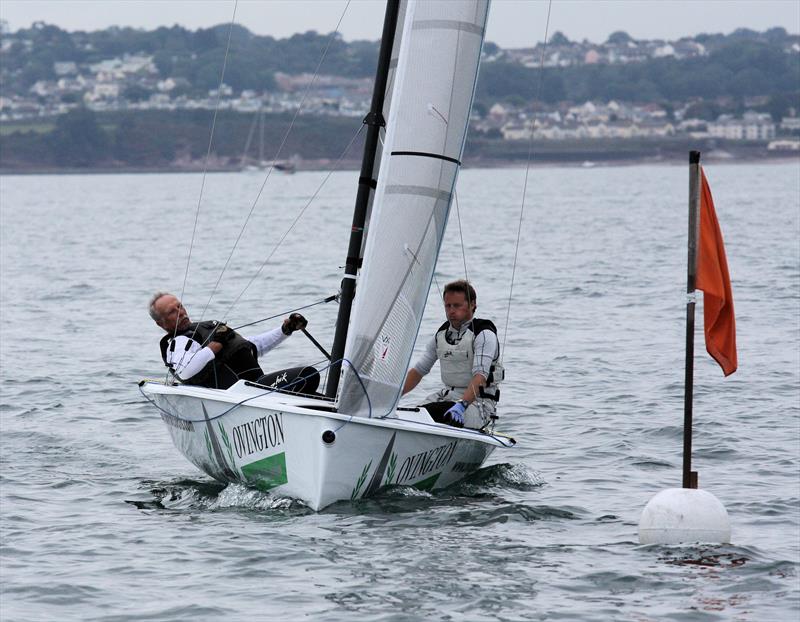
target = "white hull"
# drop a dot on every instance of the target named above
(274, 441)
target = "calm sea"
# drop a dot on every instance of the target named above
(103, 519)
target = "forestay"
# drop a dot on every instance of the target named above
(431, 101)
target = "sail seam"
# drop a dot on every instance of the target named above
(422, 191)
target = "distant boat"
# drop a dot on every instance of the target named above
(357, 440)
(261, 164)
(588, 164)
(285, 166)
(289, 167)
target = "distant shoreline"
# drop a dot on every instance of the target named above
(575, 160)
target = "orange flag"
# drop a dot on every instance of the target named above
(714, 280)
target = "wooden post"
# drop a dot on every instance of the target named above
(689, 476)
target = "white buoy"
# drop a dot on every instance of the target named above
(682, 516)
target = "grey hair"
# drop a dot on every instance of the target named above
(152, 305)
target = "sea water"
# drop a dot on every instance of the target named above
(103, 519)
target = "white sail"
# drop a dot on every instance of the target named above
(431, 101)
(387, 103)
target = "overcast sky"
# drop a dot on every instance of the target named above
(512, 23)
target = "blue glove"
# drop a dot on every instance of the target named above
(455, 416)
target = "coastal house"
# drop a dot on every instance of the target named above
(752, 126)
(65, 68)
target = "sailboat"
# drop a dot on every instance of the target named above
(246, 161)
(356, 440)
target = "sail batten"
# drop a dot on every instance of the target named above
(449, 24)
(434, 83)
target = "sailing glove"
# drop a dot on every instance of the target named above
(455, 415)
(294, 322)
(222, 333)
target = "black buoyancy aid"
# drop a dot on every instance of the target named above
(237, 359)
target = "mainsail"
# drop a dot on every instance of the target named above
(434, 85)
(387, 102)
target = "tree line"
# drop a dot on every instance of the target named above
(742, 64)
(83, 138)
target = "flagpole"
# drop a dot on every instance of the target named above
(688, 514)
(689, 476)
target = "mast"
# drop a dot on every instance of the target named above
(366, 184)
(689, 476)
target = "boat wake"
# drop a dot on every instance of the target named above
(514, 476)
(188, 494)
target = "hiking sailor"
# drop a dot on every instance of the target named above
(211, 354)
(468, 351)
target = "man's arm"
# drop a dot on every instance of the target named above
(486, 347)
(185, 363)
(264, 342)
(473, 390)
(412, 380)
(421, 368)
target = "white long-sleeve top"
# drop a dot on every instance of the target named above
(187, 363)
(485, 346)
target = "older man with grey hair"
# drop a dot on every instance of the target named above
(211, 354)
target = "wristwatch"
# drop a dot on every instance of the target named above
(464, 403)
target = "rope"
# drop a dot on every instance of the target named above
(331, 39)
(525, 184)
(272, 317)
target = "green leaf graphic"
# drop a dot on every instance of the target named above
(208, 446)
(227, 442)
(391, 468)
(360, 482)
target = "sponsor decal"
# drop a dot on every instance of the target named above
(280, 380)
(360, 482)
(218, 462)
(382, 347)
(391, 469)
(177, 422)
(427, 484)
(425, 462)
(266, 473)
(227, 442)
(258, 435)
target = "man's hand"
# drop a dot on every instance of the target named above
(294, 322)
(222, 334)
(455, 415)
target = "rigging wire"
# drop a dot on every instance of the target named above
(210, 142)
(283, 237)
(525, 184)
(331, 39)
(208, 155)
(296, 219)
(461, 236)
